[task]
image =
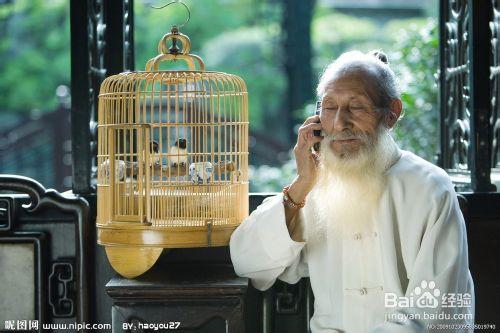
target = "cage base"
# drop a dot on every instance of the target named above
(131, 262)
(142, 236)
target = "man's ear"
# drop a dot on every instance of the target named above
(395, 107)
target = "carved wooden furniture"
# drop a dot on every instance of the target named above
(44, 245)
(190, 298)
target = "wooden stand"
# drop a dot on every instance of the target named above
(201, 298)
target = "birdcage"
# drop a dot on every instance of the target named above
(172, 158)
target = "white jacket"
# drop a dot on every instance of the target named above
(418, 252)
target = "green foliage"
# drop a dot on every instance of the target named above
(265, 178)
(334, 33)
(250, 53)
(416, 59)
(34, 53)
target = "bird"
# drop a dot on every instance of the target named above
(155, 160)
(124, 169)
(120, 169)
(200, 172)
(154, 151)
(178, 153)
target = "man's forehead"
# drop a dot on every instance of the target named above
(354, 85)
(347, 92)
(349, 96)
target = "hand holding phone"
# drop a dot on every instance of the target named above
(307, 159)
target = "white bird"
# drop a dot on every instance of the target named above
(178, 153)
(125, 169)
(120, 169)
(200, 172)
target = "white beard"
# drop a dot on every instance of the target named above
(346, 196)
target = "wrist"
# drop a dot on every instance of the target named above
(289, 202)
(303, 182)
(299, 189)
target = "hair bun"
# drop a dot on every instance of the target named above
(380, 56)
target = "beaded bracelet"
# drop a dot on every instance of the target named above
(289, 202)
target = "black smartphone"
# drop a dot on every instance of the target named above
(317, 132)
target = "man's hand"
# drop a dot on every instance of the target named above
(306, 159)
(307, 168)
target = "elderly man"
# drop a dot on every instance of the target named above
(377, 229)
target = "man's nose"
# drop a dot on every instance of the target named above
(341, 121)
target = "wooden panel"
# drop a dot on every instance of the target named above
(58, 227)
(193, 295)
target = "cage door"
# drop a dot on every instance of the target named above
(129, 149)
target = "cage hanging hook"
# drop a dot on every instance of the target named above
(179, 2)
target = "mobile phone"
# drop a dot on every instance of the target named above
(317, 132)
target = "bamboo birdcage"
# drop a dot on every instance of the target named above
(172, 158)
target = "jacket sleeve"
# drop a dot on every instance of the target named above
(262, 249)
(439, 282)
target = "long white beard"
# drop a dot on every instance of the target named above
(347, 194)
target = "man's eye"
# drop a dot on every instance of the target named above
(356, 107)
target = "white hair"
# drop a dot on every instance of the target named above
(374, 64)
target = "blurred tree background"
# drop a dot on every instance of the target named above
(243, 37)
(34, 53)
